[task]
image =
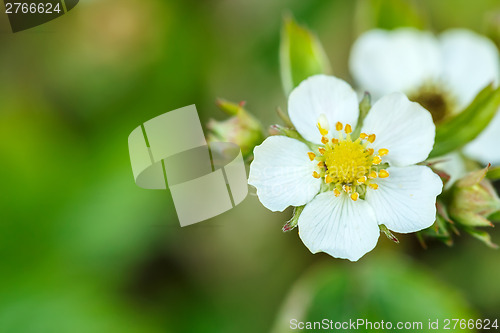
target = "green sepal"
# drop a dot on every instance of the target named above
(285, 131)
(364, 107)
(483, 236)
(292, 223)
(228, 107)
(473, 177)
(284, 118)
(388, 233)
(472, 219)
(447, 222)
(439, 231)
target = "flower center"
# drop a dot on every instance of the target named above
(440, 103)
(347, 160)
(346, 165)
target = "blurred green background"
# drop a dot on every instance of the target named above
(83, 249)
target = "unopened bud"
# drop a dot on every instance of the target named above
(242, 129)
(474, 199)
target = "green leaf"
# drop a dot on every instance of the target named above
(301, 55)
(467, 125)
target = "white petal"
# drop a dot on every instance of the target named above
(383, 62)
(406, 200)
(282, 173)
(403, 127)
(322, 94)
(470, 62)
(485, 148)
(338, 226)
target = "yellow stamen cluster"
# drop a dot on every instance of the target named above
(345, 164)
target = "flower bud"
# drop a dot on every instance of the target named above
(473, 200)
(285, 131)
(242, 128)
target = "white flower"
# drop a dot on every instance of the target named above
(442, 73)
(349, 183)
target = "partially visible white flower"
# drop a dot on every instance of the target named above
(442, 73)
(349, 183)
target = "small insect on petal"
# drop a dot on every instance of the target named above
(383, 152)
(311, 155)
(316, 175)
(355, 196)
(383, 174)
